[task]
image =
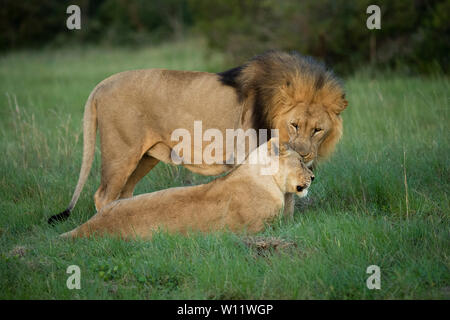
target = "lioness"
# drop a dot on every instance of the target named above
(136, 112)
(243, 199)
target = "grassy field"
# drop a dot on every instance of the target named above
(382, 198)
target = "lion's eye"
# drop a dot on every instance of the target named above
(294, 125)
(316, 130)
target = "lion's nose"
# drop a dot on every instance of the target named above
(312, 178)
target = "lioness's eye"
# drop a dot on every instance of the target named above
(294, 125)
(316, 130)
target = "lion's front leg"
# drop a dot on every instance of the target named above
(289, 203)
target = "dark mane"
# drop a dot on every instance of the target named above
(265, 78)
(229, 77)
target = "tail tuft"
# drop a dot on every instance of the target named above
(60, 217)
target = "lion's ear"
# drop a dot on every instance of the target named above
(340, 105)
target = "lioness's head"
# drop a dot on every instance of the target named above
(292, 176)
(294, 94)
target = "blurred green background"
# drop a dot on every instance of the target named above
(414, 35)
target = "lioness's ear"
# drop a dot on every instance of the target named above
(284, 148)
(273, 146)
(340, 105)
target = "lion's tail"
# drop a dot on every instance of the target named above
(89, 137)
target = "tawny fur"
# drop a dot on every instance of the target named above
(242, 200)
(136, 112)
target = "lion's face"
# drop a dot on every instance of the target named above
(294, 94)
(311, 130)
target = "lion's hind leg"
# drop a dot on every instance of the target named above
(115, 174)
(146, 164)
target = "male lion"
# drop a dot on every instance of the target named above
(136, 112)
(244, 199)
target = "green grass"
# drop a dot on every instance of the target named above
(357, 214)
